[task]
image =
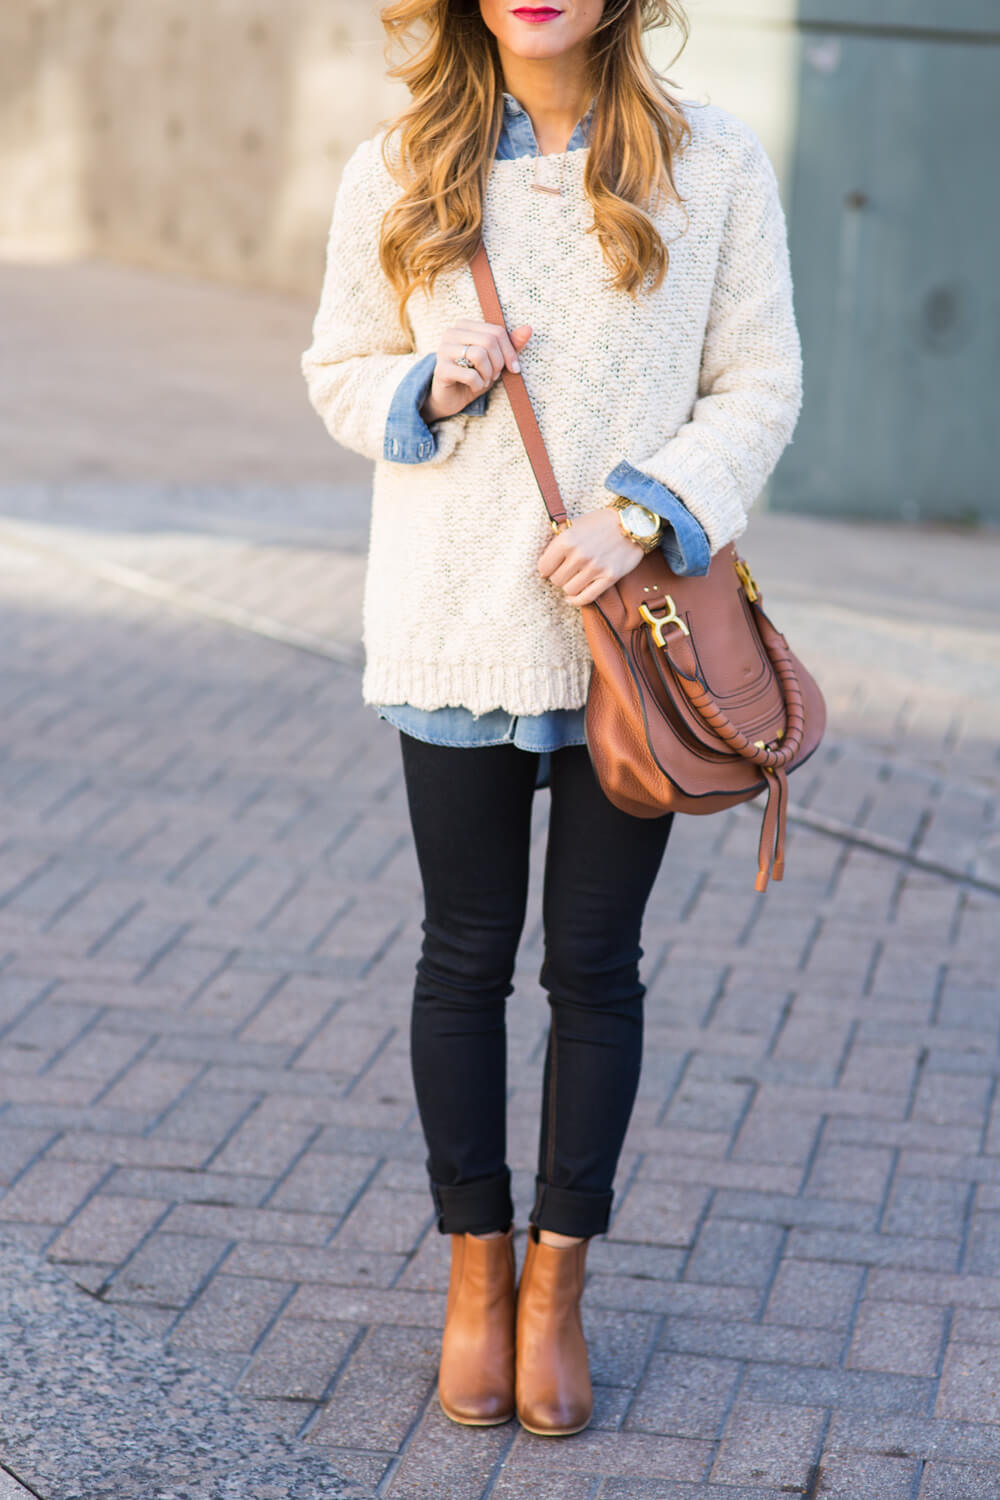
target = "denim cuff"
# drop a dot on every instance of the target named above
(474, 1207)
(567, 1211)
(684, 544)
(408, 439)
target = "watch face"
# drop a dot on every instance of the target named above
(639, 520)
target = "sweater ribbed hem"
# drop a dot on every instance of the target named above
(478, 686)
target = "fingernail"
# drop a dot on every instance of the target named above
(516, 367)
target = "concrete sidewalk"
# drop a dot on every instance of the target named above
(209, 913)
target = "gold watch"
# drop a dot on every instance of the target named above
(640, 525)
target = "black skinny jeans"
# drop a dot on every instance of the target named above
(471, 815)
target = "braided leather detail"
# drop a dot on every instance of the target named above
(680, 653)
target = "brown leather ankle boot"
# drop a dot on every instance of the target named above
(554, 1395)
(476, 1380)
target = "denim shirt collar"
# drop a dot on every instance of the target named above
(517, 135)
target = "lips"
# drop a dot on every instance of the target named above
(537, 13)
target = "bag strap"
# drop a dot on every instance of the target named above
(517, 394)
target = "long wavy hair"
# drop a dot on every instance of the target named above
(440, 148)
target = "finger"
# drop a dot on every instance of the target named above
(495, 337)
(593, 591)
(495, 354)
(569, 568)
(519, 337)
(477, 357)
(581, 579)
(454, 374)
(486, 357)
(573, 561)
(495, 344)
(507, 351)
(552, 555)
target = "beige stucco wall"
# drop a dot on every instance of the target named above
(202, 135)
(207, 136)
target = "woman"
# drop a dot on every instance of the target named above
(639, 251)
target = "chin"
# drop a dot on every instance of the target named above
(535, 47)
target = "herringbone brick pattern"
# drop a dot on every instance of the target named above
(209, 912)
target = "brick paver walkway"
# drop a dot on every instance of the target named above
(209, 913)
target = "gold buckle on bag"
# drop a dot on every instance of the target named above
(657, 622)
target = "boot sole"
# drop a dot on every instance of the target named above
(474, 1421)
(554, 1431)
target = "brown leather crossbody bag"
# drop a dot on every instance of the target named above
(696, 702)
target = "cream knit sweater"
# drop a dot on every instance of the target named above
(697, 384)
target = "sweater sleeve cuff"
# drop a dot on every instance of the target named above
(408, 438)
(684, 544)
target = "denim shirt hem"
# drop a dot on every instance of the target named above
(460, 728)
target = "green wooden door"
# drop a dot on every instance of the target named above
(895, 235)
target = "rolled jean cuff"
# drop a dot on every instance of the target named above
(567, 1211)
(474, 1207)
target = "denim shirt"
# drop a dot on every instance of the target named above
(409, 440)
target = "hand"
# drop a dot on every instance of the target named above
(589, 557)
(489, 347)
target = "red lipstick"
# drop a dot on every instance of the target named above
(537, 13)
